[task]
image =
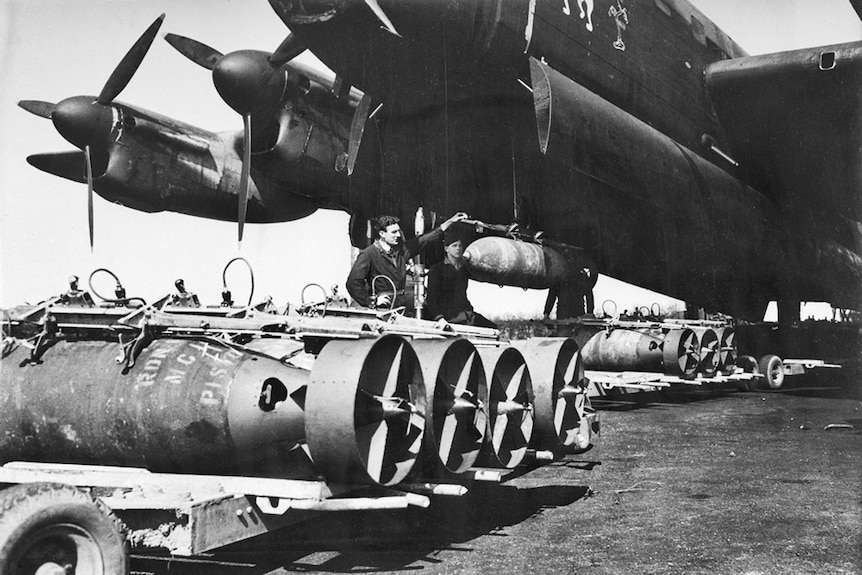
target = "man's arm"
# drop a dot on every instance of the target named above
(418, 244)
(357, 284)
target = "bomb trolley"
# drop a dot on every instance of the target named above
(199, 429)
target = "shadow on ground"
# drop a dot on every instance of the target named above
(368, 542)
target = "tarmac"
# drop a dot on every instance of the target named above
(694, 482)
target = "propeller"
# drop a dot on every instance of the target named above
(130, 63)
(243, 178)
(69, 165)
(252, 83)
(89, 163)
(289, 49)
(38, 107)
(197, 52)
(86, 122)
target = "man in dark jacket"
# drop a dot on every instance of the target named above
(382, 266)
(447, 286)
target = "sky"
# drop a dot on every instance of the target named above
(53, 49)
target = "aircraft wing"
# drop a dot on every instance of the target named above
(794, 123)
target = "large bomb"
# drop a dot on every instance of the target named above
(186, 405)
(673, 351)
(505, 261)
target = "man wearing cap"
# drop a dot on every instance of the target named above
(447, 286)
(382, 266)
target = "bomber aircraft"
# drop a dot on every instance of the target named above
(635, 130)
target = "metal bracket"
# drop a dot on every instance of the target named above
(132, 349)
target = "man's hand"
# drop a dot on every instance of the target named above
(460, 216)
(383, 300)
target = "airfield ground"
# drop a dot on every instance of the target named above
(701, 482)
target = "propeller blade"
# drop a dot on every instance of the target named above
(69, 165)
(129, 64)
(289, 49)
(89, 168)
(246, 167)
(38, 107)
(381, 15)
(197, 52)
(357, 128)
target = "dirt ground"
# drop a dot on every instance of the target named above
(698, 482)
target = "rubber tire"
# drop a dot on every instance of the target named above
(27, 509)
(772, 368)
(748, 365)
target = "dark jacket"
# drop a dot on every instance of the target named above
(373, 261)
(447, 291)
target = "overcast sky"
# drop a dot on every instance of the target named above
(52, 49)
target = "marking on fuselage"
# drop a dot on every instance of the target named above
(586, 8)
(621, 15)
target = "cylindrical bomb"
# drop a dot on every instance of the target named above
(510, 404)
(727, 349)
(710, 352)
(623, 350)
(559, 389)
(456, 398)
(188, 406)
(365, 410)
(509, 262)
(648, 350)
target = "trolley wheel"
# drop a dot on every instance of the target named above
(748, 365)
(54, 529)
(772, 368)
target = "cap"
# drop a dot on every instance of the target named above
(451, 235)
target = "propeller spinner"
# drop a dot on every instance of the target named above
(254, 84)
